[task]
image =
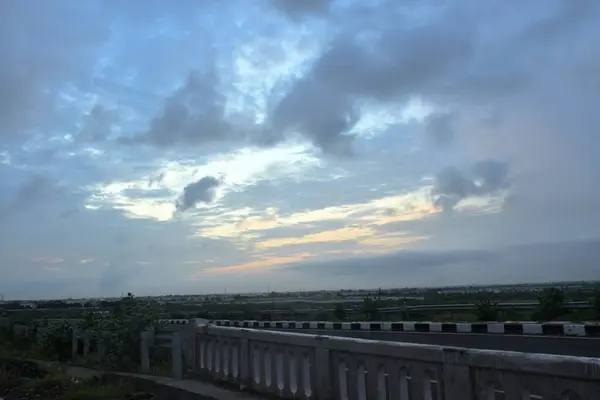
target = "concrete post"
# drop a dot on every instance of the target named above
(101, 348)
(86, 343)
(75, 334)
(177, 359)
(245, 378)
(323, 378)
(146, 339)
(457, 375)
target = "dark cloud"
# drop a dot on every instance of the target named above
(98, 124)
(295, 8)
(35, 190)
(146, 193)
(484, 178)
(69, 212)
(513, 264)
(322, 105)
(440, 129)
(116, 278)
(201, 191)
(193, 114)
(40, 54)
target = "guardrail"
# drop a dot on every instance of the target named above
(293, 366)
(512, 328)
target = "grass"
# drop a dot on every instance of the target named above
(58, 385)
(82, 390)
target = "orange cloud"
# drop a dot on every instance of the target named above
(53, 269)
(391, 242)
(336, 235)
(48, 260)
(410, 206)
(254, 266)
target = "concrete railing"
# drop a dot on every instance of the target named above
(512, 328)
(300, 366)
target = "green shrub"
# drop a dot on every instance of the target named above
(551, 305)
(56, 342)
(486, 310)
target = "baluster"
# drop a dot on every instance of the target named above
(306, 374)
(235, 362)
(256, 367)
(382, 384)
(268, 367)
(245, 364)
(210, 345)
(279, 372)
(199, 353)
(371, 364)
(361, 384)
(404, 383)
(393, 379)
(341, 381)
(226, 360)
(291, 372)
(420, 386)
(514, 387)
(352, 376)
(217, 356)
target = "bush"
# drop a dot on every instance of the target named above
(119, 330)
(370, 308)
(551, 305)
(339, 312)
(56, 341)
(486, 310)
(595, 304)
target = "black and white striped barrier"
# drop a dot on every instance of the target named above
(507, 328)
(175, 321)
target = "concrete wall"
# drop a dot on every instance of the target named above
(293, 365)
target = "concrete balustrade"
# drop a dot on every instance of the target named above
(300, 366)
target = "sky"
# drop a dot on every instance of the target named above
(208, 146)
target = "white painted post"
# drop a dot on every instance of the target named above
(245, 378)
(457, 375)
(177, 355)
(86, 343)
(323, 378)
(75, 333)
(146, 339)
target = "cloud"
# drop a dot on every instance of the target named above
(33, 192)
(31, 72)
(295, 9)
(201, 191)
(117, 278)
(48, 260)
(193, 114)
(253, 266)
(337, 130)
(98, 124)
(440, 128)
(485, 178)
(512, 264)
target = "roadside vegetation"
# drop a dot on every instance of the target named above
(345, 305)
(114, 345)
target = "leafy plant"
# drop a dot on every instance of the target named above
(486, 310)
(56, 341)
(595, 304)
(118, 331)
(339, 312)
(370, 308)
(551, 305)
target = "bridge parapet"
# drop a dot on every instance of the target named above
(294, 365)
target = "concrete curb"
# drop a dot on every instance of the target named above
(507, 328)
